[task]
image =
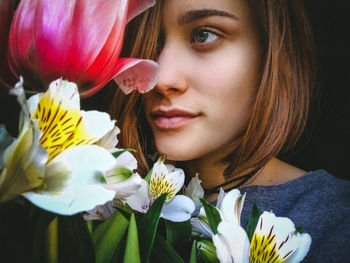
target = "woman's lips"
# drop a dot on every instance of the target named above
(172, 119)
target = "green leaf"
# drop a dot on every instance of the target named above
(193, 257)
(212, 214)
(149, 225)
(21, 239)
(253, 221)
(207, 251)
(74, 240)
(118, 153)
(178, 233)
(107, 236)
(39, 220)
(89, 224)
(148, 176)
(299, 229)
(132, 243)
(164, 252)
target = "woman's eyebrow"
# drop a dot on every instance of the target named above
(193, 15)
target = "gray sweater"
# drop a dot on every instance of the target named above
(317, 202)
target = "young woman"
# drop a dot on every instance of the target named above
(235, 82)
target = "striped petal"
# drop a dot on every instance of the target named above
(62, 123)
(275, 239)
(166, 179)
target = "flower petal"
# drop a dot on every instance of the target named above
(136, 7)
(110, 140)
(231, 242)
(141, 200)
(126, 159)
(24, 162)
(136, 74)
(96, 124)
(194, 190)
(304, 243)
(127, 187)
(179, 209)
(84, 189)
(21, 36)
(220, 198)
(165, 179)
(5, 141)
(61, 121)
(275, 237)
(232, 205)
(201, 227)
(100, 212)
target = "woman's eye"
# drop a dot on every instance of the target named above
(203, 36)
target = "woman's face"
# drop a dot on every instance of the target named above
(210, 61)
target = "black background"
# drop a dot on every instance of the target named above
(327, 144)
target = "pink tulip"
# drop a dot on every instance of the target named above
(78, 40)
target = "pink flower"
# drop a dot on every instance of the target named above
(78, 40)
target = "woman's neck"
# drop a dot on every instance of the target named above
(211, 172)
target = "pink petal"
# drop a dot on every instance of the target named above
(67, 38)
(136, 74)
(136, 7)
(70, 34)
(102, 69)
(21, 37)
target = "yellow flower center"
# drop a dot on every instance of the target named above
(61, 127)
(161, 185)
(264, 248)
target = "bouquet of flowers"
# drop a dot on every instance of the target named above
(87, 203)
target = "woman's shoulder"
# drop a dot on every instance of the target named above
(313, 183)
(316, 192)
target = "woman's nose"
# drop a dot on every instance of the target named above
(172, 72)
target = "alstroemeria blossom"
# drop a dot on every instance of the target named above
(54, 163)
(229, 206)
(77, 40)
(165, 178)
(195, 191)
(275, 240)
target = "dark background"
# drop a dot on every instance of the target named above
(329, 143)
(326, 142)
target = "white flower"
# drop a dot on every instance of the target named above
(195, 191)
(54, 162)
(275, 240)
(229, 206)
(164, 179)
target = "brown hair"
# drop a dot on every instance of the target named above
(282, 103)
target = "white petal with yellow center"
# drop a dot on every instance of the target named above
(62, 122)
(166, 179)
(275, 239)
